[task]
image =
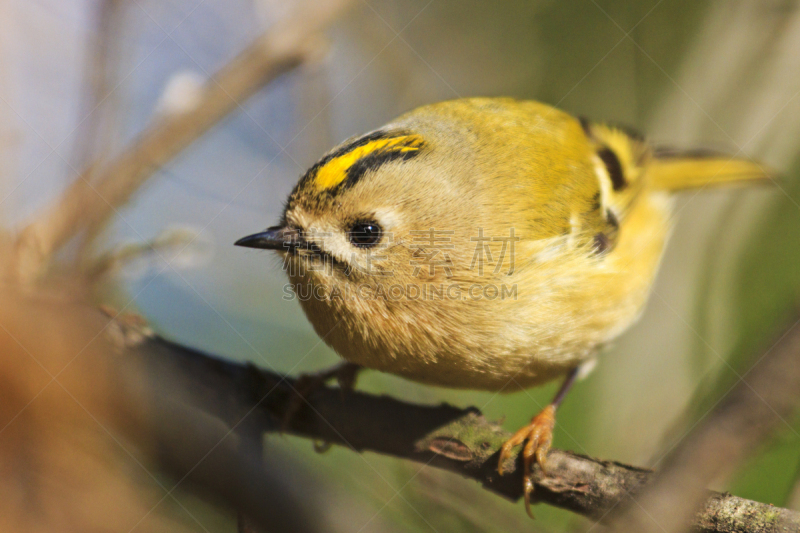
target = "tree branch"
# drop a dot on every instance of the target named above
(458, 440)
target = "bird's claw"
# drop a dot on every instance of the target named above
(307, 384)
(537, 437)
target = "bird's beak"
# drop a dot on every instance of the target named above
(274, 238)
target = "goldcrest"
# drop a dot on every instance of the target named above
(484, 243)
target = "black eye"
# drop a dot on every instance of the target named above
(365, 234)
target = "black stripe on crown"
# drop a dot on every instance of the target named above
(371, 161)
(344, 150)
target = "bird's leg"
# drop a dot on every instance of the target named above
(345, 373)
(537, 436)
(305, 385)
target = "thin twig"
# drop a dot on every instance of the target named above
(762, 401)
(89, 202)
(93, 133)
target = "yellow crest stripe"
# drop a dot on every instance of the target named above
(334, 172)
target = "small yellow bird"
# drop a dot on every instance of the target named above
(484, 243)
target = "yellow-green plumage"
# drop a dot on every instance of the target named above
(590, 206)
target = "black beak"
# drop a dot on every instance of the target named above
(274, 238)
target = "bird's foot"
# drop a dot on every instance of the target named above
(305, 385)
(537, 436)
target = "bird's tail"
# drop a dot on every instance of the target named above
(672, 171)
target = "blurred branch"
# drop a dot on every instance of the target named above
(95, 195)
(459, 440)
(86, 434)
(94, 132)
(763, 400)
(794, 497)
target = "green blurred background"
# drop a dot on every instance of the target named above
(722, 74)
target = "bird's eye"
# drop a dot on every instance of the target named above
(365, 234)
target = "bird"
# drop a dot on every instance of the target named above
(485, 243)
